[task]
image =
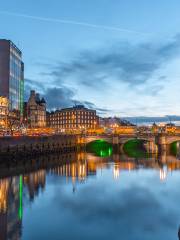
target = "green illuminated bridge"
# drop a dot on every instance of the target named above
(153, 142)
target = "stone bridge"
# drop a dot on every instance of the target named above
(107, 138)
(154, 142)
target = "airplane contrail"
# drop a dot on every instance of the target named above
(62, 21)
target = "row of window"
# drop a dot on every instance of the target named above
(74, 126)
(77, 121)
(3, 111)
(74, 113)
(14, 53)
(72, 119)
(74, 123)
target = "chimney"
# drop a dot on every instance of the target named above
(37, 97)
(32, 94)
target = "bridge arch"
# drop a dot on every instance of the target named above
(139, 146)
(125, 140)
(100, 148)
(170, 140)
(90, 139)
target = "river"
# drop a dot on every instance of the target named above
(90, 197)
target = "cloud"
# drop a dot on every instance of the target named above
(59, 97)
(70, 22)
(132, 64)
(144, 119)
(32, 85)
(62, 97)
(134, 68)
(134, 211)
(56, 97)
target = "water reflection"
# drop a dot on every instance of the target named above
(34, 183)
(100, 148)
(10, 207)
(111, 194)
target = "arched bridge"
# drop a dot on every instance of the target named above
(117, 139)
(155, 142)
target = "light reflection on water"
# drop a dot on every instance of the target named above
(88, 197)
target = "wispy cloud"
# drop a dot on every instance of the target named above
(72, 22)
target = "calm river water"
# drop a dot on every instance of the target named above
(89, 197)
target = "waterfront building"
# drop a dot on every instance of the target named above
(117, 126)
(74, 118)
(35, 111)
(111, 122)
(12, 75)
(4, 109)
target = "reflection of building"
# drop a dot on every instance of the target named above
(75, 118)
(84, 165)
(34, 182)
(116, 172)
(76, 170)
(4, 104)
(11, 75)
(162, 174)
(35, 111)
(10, 208)
(4, 188)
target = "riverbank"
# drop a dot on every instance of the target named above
(14, 148)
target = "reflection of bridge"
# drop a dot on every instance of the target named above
(154, 142)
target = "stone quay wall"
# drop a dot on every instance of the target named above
(26, 146)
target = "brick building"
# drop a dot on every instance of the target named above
(75, 118)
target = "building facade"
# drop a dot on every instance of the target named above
(110, 122)
(75, 118)
(4, 109)
(35, 111)
(12, 75)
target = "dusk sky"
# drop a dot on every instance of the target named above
(119, 56)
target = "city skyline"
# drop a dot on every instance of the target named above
(121, 63)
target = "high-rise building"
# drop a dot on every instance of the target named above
(12, 75)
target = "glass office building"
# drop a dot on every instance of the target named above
(11, 75)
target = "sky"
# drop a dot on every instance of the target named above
(120, 57)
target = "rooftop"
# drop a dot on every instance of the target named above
(12, 44)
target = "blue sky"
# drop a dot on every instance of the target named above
(120, 56)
